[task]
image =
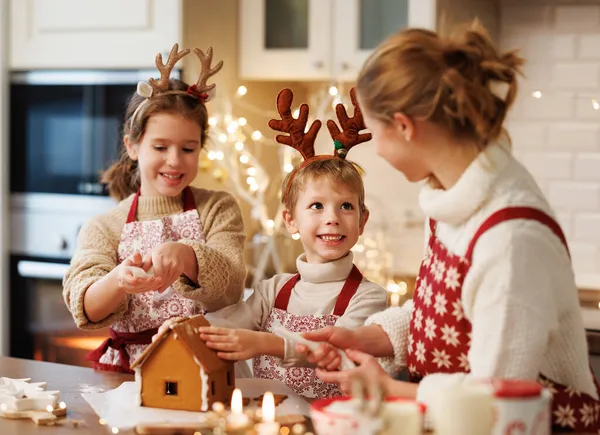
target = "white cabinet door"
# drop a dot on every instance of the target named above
(92, 33)
(285, 39)
(360, 25)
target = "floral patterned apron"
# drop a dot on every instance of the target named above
(303, 380)
(440, 335)
(147, 311)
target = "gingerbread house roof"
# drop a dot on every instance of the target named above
(186, 330)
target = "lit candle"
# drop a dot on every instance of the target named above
(237, 419)
(394, 300)
(268, 426)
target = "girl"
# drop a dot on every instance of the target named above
(167, 249)
(495, 295)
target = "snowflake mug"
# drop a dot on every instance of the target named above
(521, 407)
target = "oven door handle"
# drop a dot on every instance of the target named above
(40, 269)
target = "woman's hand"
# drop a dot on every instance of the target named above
(371, 374)
(369, 371)
(233, 344)
(333, 338)
(342, 338)
(326, 356)
(129, 279)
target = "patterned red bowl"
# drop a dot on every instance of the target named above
(398, 412)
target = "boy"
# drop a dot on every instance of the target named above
(324, 204)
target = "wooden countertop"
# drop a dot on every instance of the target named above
(71, 381)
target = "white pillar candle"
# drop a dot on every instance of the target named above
(237, 419)
(268, 426)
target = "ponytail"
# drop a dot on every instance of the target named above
(122, 178)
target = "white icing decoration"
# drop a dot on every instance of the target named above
(204, 379)
(138, 384)
(144, 89)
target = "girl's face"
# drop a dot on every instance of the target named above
(167, 154)
(395, 142)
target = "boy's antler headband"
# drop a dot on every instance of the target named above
(304, 141)
(201, 91)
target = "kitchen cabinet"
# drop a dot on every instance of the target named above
(115, 34)
(320, 39)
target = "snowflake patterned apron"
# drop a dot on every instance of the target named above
(440, 335)
(147, 311)
(303, 380)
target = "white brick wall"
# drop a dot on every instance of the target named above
(558, 135)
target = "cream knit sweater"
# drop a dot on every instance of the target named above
(519, 293)
(221, 270)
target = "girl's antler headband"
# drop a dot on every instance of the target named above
(201, 91)
(304, 141)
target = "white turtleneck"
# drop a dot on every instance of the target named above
(315, 293)
(519, 294)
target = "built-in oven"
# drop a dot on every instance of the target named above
(65, 128)
(43, 233)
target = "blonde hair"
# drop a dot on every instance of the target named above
(123, 176)
(335, 169)
(447, 81)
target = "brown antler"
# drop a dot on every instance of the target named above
(351, 127)
(207, 71)
(298, 138)
(165, 69)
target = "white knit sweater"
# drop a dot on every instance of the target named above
(519, 293)
(315, 294)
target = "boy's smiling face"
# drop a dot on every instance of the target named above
(328, 219)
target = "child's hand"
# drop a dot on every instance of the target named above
(232, 344)
(326, 356)
(128, 279)
(165, 326)
(167, 261)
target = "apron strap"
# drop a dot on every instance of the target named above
(348, 291)
(189, 203)
(283, 297)
(432, 224)
(511, 213)
(117, 341)
(133, 208)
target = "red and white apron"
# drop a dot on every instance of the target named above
(147, 311)
(440, 335)
(303, 380)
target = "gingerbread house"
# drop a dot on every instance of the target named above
(178, 371)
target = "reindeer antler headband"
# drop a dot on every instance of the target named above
(201, 91)
(304, 141)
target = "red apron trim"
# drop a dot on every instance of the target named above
(348, 291)
(511, 213)
(189, 203)
(118, 340)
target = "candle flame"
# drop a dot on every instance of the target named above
(268, 407)
(49, 408)
(62, 405)
(236, 401)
